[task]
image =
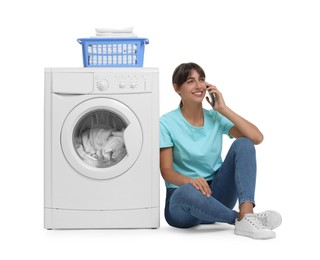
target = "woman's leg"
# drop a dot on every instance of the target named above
(187, 207)
(236, 177)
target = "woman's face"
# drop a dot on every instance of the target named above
(194, 89)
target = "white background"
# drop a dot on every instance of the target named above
(264, 56)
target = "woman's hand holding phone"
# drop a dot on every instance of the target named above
(217, 101)
(212, 97)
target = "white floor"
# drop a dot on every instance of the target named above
(209, 241)
(23, 237)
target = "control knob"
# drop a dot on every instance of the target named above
(122, 85)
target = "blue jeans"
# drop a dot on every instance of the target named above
(235, 180)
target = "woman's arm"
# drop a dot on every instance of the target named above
(170, 175)
(167, 171)
(242, 127)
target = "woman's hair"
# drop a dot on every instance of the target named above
(182, 73)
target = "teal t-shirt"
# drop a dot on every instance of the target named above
(196, 150)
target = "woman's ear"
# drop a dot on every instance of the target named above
(176, 88)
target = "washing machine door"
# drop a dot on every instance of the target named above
(101, 138)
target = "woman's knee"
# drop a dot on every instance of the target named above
(243, 143)
(177, 211)
(185, 193)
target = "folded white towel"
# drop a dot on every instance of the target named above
(119, 35)
(112, 30)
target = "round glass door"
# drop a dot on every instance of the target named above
(98, 138)
(101, 138)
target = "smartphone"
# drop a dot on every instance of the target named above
(212, 98)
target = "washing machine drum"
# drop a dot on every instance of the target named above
(101, 138)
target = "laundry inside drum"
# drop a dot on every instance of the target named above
(98, 138)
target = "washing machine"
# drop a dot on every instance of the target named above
(101, 148)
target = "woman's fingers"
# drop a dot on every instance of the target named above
(202, 185)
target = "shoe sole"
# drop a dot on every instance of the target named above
(256, 235)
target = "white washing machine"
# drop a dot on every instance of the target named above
(101, 165)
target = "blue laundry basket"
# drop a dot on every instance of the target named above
(113, 52)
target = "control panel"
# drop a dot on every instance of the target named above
(120, 83)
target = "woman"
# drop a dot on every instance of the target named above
(201, 188)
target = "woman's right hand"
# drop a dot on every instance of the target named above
(219, 101)
(201, 185)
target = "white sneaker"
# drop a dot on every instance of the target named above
(250, 226)
(270, 219)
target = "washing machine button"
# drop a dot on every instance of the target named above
(122, 85)
(133, 85)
